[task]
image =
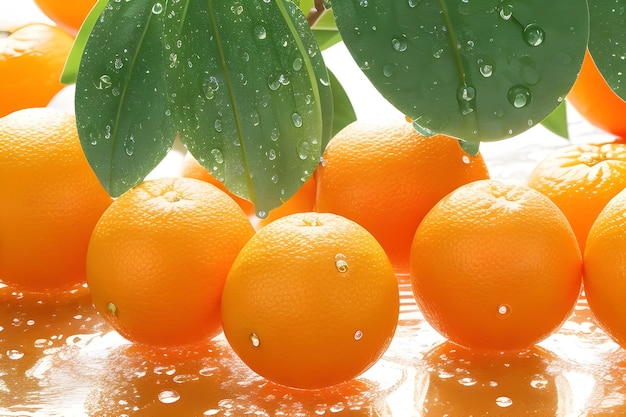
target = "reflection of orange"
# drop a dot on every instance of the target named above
(31, 61)
(302, 201)
(158, 258)
(495, 266)
(386, 176)
(580, 180)
(592, 97)
(311, 301)
(605, 269)
(463, 382)
(67, 14)
(50, 200)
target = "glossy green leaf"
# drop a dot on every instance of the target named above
(556, 122)
(250, 93)
(326, 38)
(70, 71)
(607, 40)
(471, 148)
(343, 112)
(121, 101)
(475, 70)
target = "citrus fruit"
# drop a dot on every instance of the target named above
(68, 14)
(385, 176)
(604, 266)
(594, 99)
(158, 258)
(495, 267)
(32, 58)
(302, 201)
(311, 301)
(50, 200)
(580, 180)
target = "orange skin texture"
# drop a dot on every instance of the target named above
(594, 99)
(158, 259)
(495, 267)
(32, 58)
(298, 316)
(605, 269)
(581, 180)
(302, 201)
(67, 14)
(50, 200)
(386, 176)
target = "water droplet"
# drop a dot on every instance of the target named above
(274, 179)
(467, 381)
(358, 335)
(506, 11)
(388, 70)
(413, 3)
(261, 214)
(539, 382)
(254, 339)
(519, 96)
(112, 308)
(363, 3)
(236, 9)
(217, 156)
(504, 310)
(14, 354)
(465, 98)
(260, 32)
(340, 263)
(466, 159)
(210, 86)
(157, 8)
(399, 44)
(256, 119)
(296, 119)
(271, 154)
(275, 134)
(129, 145)
(169, 396)
(103, 82)
(504, 402)
(304, 149)
(485, 67)
(533, 34)
(437, 52)
(297, 63)
(118, 63)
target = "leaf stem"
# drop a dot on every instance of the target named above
(452, 37)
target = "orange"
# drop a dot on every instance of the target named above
(311, 301)
(68, 14)
(302, 201)
(158, 258)
(594, 99)
(580, 180)
(50, 200)
(605, 269)
(495, 267)
(32, 58)
(386, 176)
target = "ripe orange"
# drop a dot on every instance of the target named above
(311, 301)
(32, 58)
(50, 200)
(386, 176)
(158, 258)
(302, 201)
(580, 180)
(592, 97)
(495, 267)
(68, 14)
(604, 265)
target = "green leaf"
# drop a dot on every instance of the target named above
(343, 111)
(250, 93)
(121, 103)
(470, 148)
(70, 71)
(475, 70)
(556, 122)
(326, 38)
(607, 37)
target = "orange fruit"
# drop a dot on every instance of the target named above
(311, 301)
(158, 258)
(386, 176)
(495, 267)
(302, 201)
(594, 99)
(604, 266)
(68, 14)
(32, 58)
(50, 200)
(580, 180)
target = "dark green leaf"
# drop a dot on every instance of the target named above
(326, 38)
(121, 97)
(475, 70)
(70, 71)
(343, 111)
(556, 122)
(250, 93)
(470, 148)
(607, 40)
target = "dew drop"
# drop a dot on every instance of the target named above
(358, 335)
(236, 9)
(254, 339)
(169, 396)
(260, 32)
(103, 82)
(304, 149)
(539, 382)
(297, 64)
(504, 402)
(506, 11)
(465, 98)
(466, 159)
(274, 179)
(296, 119)
(363, 3)
(157, 8)
(14, 354)
(519, 96)
(413, 3)
(504, 310)
(398, 44)
(112, 308)
(467, 381)
(261, 214)
(388, 70)
(341, 263)
(271, 154)
(533, 34)
(218, 125)
(275, 134)
(217, 156)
